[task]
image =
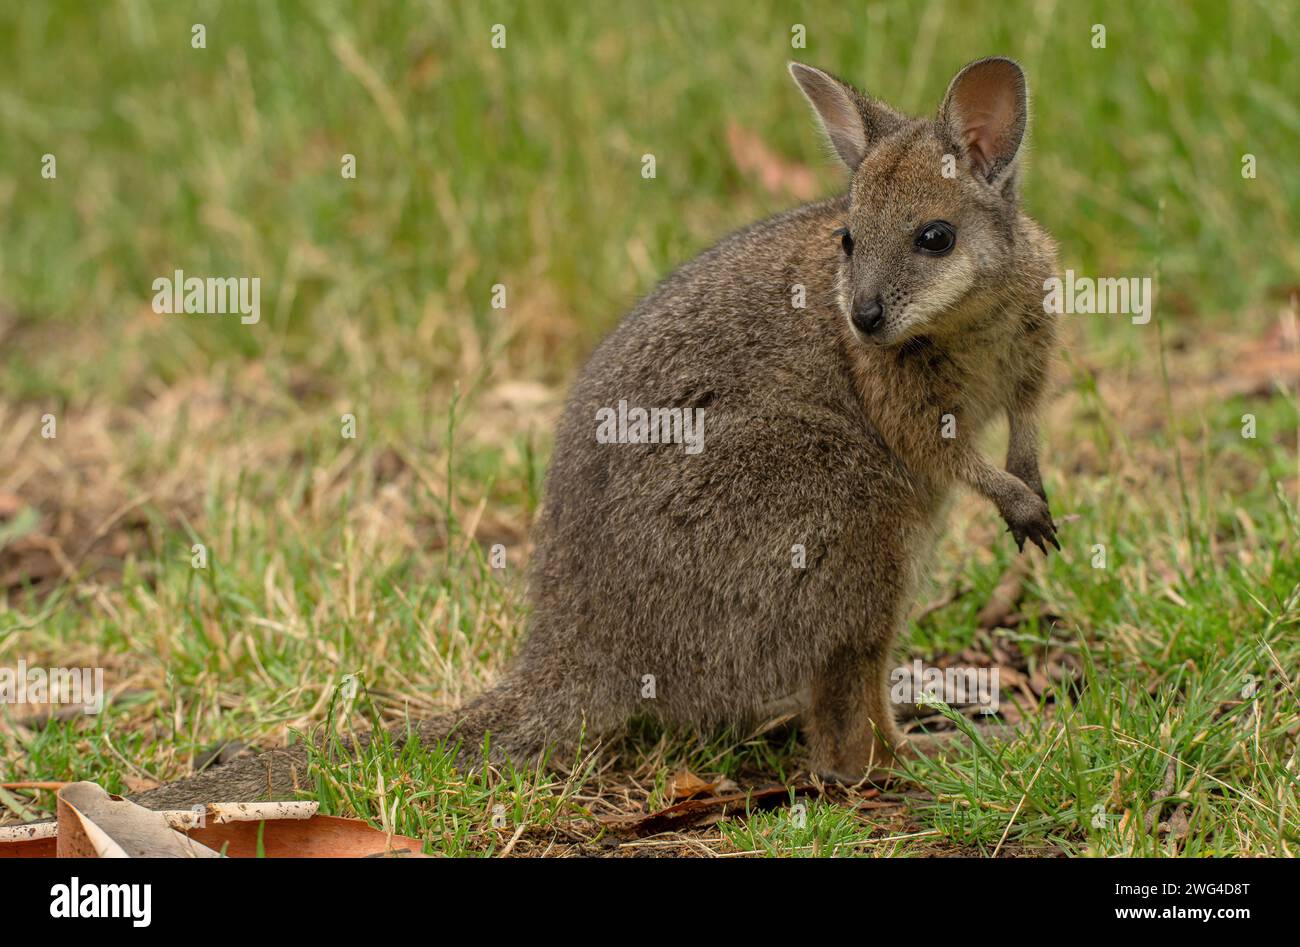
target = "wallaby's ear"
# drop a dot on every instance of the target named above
(851, 121)
(985, 113)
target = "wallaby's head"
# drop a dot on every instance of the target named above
(933, 214)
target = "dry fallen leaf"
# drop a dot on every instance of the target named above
(694, 813)
(321, 836)
(91, 823)
(686, 784)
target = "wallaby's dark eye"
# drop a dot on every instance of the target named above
(846, 240)
(936, 238)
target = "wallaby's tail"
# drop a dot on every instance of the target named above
(515, 724)
(270, 775)
(519, 726)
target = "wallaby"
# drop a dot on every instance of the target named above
(842, 359)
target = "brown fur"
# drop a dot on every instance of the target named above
(652, 561)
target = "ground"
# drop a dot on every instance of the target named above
(1154, 660)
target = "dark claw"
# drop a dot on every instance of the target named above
(1039, 530)
(1038, 533)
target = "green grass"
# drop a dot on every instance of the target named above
(369, 556)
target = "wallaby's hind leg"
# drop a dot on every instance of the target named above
(852, 730)
(851, 722)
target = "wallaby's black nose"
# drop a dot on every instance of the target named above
(869, 317)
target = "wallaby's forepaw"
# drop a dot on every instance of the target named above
(1029, 518)
(1026, 471)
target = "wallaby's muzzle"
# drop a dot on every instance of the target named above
(869, 315)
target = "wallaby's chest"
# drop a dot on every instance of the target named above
(950, 385)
